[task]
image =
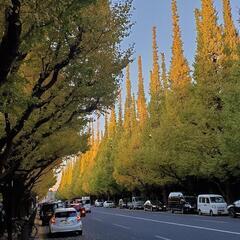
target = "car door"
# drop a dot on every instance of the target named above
(207, 205)
(201, 204)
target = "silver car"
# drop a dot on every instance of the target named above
(65, 220)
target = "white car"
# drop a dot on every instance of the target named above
(98, 203)
(211, 204)
(108, 204)
(65, 220)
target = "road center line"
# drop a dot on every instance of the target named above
(163, 238)
(174, 223)
(121, 226)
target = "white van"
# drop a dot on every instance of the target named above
(211, 204)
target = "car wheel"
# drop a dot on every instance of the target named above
(183, 211)
(151, 209)
(172, 211)
(199, 212)
(211, 213)
(51, 235)
(232, 213)
(79, 233)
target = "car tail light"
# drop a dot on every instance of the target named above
(78, 218)
(53, 220)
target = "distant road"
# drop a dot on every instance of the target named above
(116, 224)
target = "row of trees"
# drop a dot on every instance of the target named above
(189, 132)
(60, 61)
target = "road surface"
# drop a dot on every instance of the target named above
(123, 224)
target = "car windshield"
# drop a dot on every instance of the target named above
(65, 214)
(217, 200)
(139, 199)
(86, 201)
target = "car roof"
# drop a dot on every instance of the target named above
(209, 195)
(175, 194)
(65, 210)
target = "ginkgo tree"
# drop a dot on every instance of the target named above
(59, 62)
(186, 137)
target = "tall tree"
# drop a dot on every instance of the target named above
(112, 123)
(128, 102)
(141, 100)
(210, 37)
(164, 76)
(231, 37)
(179, 70)
(155, 86)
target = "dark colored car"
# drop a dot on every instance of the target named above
(179, 202)
(46, 212)
(154, 205)
(234, 209)
(79, 209)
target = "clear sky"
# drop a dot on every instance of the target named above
(149, 13)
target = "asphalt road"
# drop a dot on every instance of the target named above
(118, 224)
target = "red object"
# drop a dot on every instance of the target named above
(78, 218)
(82, 212)
(53, 220)
(79, 209)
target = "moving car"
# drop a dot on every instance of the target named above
(65, 220)
(211, 204)
(79, 208)
(108, 204)
(154, 205)
(234, 209)
(98, 203)
(177, 201)
(46, 212)
(86, 203)
(136, 203)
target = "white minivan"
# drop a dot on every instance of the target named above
(211, 204)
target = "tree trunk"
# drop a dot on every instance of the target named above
(7, 204)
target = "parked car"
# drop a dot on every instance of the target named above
(46, 212)
(98, 203)
(86, 203)
(136, 203)
(154, 205)
(122, 203)
(108, 204)
(65, 220)
(211, 204)
(234, 209)
(79, 209)
(177, 201)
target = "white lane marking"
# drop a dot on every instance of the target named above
(214, 221)
(163, 238)
(121, 226)
(97, 219)
(174, 223)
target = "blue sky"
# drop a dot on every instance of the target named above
(149, 13)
